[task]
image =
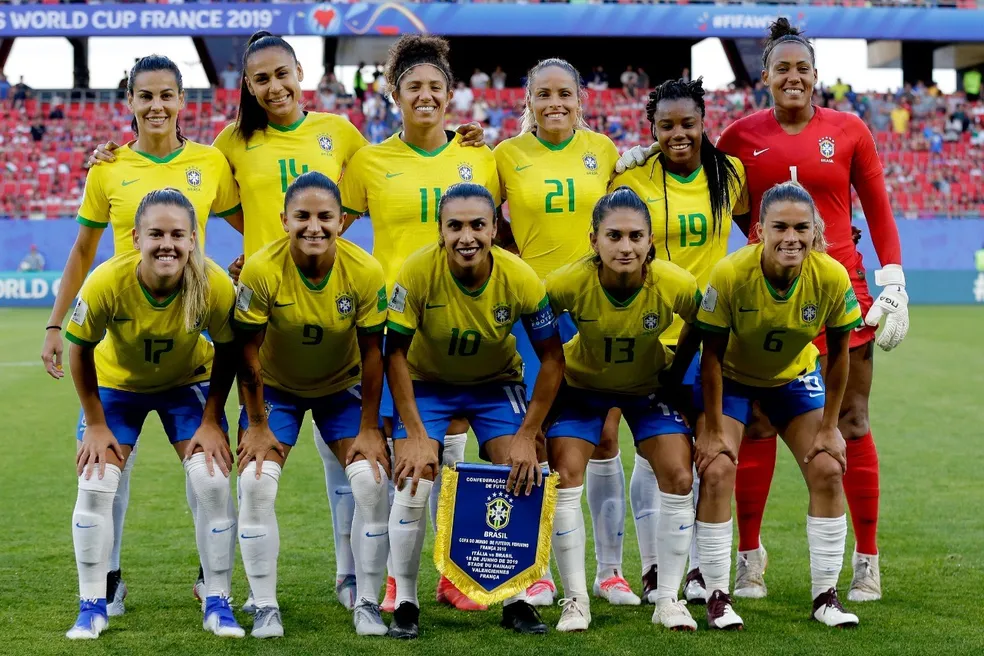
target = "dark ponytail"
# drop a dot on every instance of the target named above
(253, 118)
(150, 64)
(623, 198)
(781, 31)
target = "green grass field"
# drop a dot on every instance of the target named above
(926, 419)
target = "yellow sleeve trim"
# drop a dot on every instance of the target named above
(403, 330)
(851, 326)
(79, 341)
(711, 328)
(89, 223)
(229, 212)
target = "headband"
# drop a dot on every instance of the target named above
(410, 68)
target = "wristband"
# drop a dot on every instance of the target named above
(53, 328)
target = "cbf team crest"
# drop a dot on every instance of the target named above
(193, 175)
(465, 172)
(498, 510)
(502, 314)
(590, 162)
(325, 143)
(650, 321)
(809, 313)
(344, 304)
(826, 149)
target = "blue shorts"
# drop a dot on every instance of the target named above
(780, 404)
(336, 415)
(492, 409)
(180, 410)
(583, 412)
(531, 363)
(387, 408)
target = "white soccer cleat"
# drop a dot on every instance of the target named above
(750, 574)
(116, 593)
(575, 615)
(693, 588)
(367, 619)
(866, 584)
(267, 623)
(616, 591)
(541, 593)
(827, 609)
(92, 620)
(345, 591)
(673, 615)
(721, 614)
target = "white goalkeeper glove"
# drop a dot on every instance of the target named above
(893, 304)
(635, 156)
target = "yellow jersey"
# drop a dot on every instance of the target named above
(114, 191)
(141, 344)
(465, 337)
(400, 186)
(310, 348)
(683, 224)
(274, 157)
(772, 334)
(551, 191)
(617, 347)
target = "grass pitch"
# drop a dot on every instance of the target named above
(926, 418)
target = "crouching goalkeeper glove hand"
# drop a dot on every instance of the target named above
(892, 304)
(635, 156)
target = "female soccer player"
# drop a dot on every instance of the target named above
(764, 306)
(159, 157)
(137, 347)
(622, 300)
(552, 175)
(312, 308)
(693, 191)
(451, 353)
(400, 183)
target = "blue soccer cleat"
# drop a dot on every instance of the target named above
(92, 619)
(219, 618)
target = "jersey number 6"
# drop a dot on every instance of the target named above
(772, 341)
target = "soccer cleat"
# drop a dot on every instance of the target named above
(750, 574)
(616, 591)
(674, 615)
(649, 582)
(115, 593)
(199, 588)
(720, 614)
(406, 622)
(92, 620)
(866, 584)
(389, 599)
(827, 609)
(694, 590)
(367, 620)
(449, 594)
(267, 623)
(522, 617)
(219, 618)
(575, 615)
(345, 591)
(541, 593)
(250, 606)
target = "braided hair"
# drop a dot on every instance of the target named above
(781, 31)
(722, 177)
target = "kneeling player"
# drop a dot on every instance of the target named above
(763, 307)
(450, 353)
(622, 299)
(312, 307)
(137, 347)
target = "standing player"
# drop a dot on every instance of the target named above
(693, 191)
(137, 347)
(159, 157)
(622, 299)
(552, 175)
(400, 183)
(451, 353)
(764, 306)
(312, 308)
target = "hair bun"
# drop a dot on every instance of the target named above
(257, 36)
(782, 27)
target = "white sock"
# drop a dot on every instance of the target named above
(675, 533)
(120, 503)
(454, 452)
(694, 554)
(215, 526)
(259, 535)
(342, 507)
(391, 493)
(370, 530)
(714, 543)
(826, 537)
(606, 500)
(92, 529)
(569, 541)
(548, 575)
(644, 497)
(407, 527)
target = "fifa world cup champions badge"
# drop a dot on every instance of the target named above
(490, 543)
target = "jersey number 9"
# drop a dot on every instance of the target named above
(313, 335)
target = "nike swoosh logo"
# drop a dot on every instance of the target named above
(77, 525)
(342, 493)
(643, 515)
(215, 530)
(523, 168)
(756, 153)
(684, 528)
(741, 309)
(653, 200)
(428, 306)
(275, 304)
(252, 537)
(392, 175)
(813, 396)
(559, 533)
(127, 183)
(248, 148)
(375, 535)
(405, 522)
(619, 534)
